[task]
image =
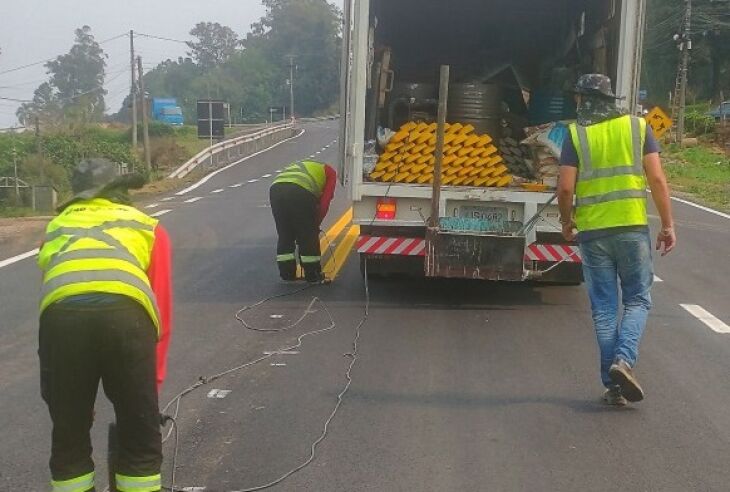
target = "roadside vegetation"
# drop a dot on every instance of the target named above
(702, 172)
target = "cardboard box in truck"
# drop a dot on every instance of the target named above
(511, 64)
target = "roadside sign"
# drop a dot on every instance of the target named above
(643, 95)
(659, 121)
(211, 119)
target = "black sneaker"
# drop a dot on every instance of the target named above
(622, 375)
(613, 397)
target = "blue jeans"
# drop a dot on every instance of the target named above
(623, 260)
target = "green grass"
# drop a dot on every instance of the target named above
(700, 171)
(17, 211)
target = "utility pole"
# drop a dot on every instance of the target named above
(145, 123)
(39, 149)
(686, 47)
(291, 86)
(133, 90)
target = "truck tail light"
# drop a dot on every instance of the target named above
(385, 209)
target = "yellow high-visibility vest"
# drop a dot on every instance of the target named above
(611, 187)
(310, 175)
(97, 246)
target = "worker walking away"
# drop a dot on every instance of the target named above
(606, 164)
(300, 199)
(105, 315)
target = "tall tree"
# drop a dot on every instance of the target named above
(308, 31)
(75, 86)
(215, 44)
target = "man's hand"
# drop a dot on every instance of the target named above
(666, 240)
(569, 231)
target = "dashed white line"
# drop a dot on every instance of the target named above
(252, 180)
(219, 190)
(153, 205)
(167, 199)
(237, 185)
(707, 318)
(161, 213)
(279, 171)
(17, 258)
(223, 169)
(266, 176)
(193, 200)
(657, 279)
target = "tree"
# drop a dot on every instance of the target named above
(309, 31)
(76, 84)
(215, 44)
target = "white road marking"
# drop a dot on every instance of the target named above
(266, 176)
(153, 205)
(278, 364)
(285, 352)
(214, 173)
(279, 171)
(237, 185)
(701, 207)
(193, 200)
(219, 190)
(707, 318)
(17, 258)
(218, 393)
(161, 213)
(253, 180)
(167, 199)
(657, 279)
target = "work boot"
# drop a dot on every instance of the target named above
(622, 375)
(613, 397)
(316, 278)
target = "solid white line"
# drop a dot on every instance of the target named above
(253, 180)
(153, 205)
(707, 318)
(701, 207)
(214, 173)
(219, 190)
(238, 185)
(193, 200)
(17, 258)
(160, 213)
(657, 279)
(266, 176)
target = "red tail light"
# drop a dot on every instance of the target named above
(385, 209)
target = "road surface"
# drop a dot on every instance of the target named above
(457, 385)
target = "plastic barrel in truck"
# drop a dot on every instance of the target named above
(512, 66)
(167, 111)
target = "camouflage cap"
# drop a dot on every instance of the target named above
(595, 84)
(91, 175)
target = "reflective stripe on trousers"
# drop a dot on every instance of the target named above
(150, 483)
(78, 484)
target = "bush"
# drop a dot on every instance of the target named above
(167, 154)
(698, 122)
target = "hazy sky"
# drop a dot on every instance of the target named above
(36, 30)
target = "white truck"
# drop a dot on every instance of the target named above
(542, 46)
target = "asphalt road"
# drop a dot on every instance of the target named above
(457, 386)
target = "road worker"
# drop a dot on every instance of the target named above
(105, 315)
(300, 199)
(606, 164)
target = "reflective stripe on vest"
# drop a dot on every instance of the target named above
(611, 187)
(309, 175)
(89, 249)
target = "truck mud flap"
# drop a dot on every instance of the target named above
(474, 256)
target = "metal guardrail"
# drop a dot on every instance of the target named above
(240, 146)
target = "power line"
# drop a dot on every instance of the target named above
(161, 38)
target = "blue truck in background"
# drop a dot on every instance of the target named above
(167, 111)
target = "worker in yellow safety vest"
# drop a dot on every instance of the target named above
(608, 159)
(300, 199)
(105, 315)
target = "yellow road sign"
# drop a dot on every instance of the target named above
(659, 121)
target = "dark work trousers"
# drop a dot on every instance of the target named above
(296, 213)
(115, 343)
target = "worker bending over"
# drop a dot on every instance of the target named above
(105, 315)
(300, 199)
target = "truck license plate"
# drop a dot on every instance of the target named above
(493, 215)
